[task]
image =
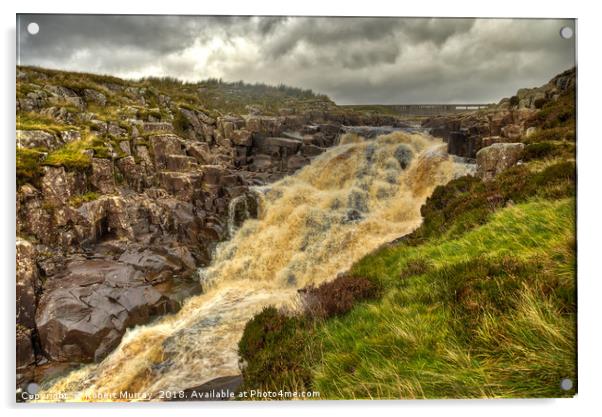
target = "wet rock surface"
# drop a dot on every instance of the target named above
(87, 307)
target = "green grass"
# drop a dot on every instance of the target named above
(80, 199)
(492, 316)
(71, 156)
(36, 121)
(489, 313)
(467, 202)
(29, 169)
(479, 301)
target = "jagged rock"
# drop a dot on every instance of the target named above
(114, 129)
(241, 137)
(36, 139)
(63, 95)
(200, 124)
(311, 150)
(296, 162)
(99, 126)
(512, 131)
(132, 173)
(183, 185)
(208, 133)
(293, 135)
(159, 264)
(213, 174)
(57, 185)
(461, 144)
(70, 135)
(25, 352)
(61, 114)
(200, 151)
(495, 158)
(105, 217)
(27, 282)
(103, 178)
(136, 94)
(490, 140)
(144, 155)
(530, 131)
(83, 314)
(261, 163)
(163, 145)
(264, 125)
(180, 163)
(162, 127)
(279, 148)
(50, 260)
(32, 218)
(95, 97)
(124, 146)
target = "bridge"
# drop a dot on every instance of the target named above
(418, 109)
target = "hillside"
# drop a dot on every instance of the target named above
(479, 301)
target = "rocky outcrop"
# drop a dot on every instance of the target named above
(36, 139)
(27, 283)
(535, 98)
(85, 311)
(27, 286)
(495, 158)
(509, 121)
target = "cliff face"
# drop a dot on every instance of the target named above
(513, 119)
(124, 189)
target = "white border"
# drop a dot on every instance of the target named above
(589, 233)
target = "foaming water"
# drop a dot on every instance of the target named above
(311, 226)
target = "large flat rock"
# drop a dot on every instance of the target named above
(84, 312)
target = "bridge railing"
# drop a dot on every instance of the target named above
(428, 109)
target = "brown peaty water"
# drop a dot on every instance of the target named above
(311, 226)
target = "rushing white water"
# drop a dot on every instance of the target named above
(311, 226)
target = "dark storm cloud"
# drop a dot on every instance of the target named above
(354, 60)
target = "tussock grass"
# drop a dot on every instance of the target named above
(71, 156)
(487, 314)
(493, 316)
(36, 121)
(80, 199)
(28, 167)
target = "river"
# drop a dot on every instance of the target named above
(311, 226)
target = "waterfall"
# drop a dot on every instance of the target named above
(241, 208)
(310, 227)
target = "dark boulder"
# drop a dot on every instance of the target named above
(84, 312)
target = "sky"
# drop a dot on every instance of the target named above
(360, 60)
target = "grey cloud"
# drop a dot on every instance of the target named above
(353, 60)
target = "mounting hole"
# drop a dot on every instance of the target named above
(33, 28)
(566, 384)
(33, 388)
(566, 32)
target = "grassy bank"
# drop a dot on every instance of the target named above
(489, 314)
(477, 302)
